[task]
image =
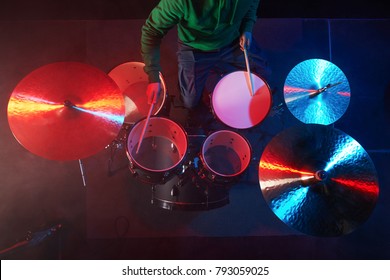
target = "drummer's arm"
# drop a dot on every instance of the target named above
(162, 18)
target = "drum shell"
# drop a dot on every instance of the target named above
(158, 127)
(133, 81)
(234, 149)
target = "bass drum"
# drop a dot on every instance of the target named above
(162, 152)
(133, 81)
(233, 103)
(186, 192)
(225, 156)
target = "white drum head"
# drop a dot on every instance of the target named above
(233, 103)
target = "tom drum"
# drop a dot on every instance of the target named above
(225, 156)
(162, 152)
(234, 105)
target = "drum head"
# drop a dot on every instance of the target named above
(226, 153)
(163, 147)
(133, 81)
(233, 103)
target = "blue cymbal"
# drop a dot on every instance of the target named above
(318, 180)
(316, 91)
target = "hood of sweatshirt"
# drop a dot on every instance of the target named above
(213, 14)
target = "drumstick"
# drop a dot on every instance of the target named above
(249, 71)
(141, 137)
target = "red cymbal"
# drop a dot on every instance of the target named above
(66, 111)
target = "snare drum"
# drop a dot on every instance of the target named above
(162, 151)
(233, 104)
(133, 81)
(225, 156)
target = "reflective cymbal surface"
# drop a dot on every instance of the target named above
(317, 92)
(65, 111)
(318, 180)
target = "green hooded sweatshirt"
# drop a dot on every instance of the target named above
(202, 24)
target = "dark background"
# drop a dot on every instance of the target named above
(124, 9)
(112, 217)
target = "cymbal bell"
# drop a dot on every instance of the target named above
(65, 111)
(317, 92)
(318, 180)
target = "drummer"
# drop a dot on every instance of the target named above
(212, 35)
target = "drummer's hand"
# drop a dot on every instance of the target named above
(245, 40)
(153, 92)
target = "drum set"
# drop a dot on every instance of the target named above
(58, 110)
(315, 179)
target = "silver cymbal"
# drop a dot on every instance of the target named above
(316, 91)
(318, 180)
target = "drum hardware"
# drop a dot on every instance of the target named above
(132, 170)
(82, 173)
(148, 178)
(118, 144)
(304, 88)
(323, 89)
(318, 180)
(277, 110)
(69, 104)
(175, 191)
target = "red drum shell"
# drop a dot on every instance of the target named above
(133, 81)
(162, 152)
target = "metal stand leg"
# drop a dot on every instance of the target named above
(82, 173)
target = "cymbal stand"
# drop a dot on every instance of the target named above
(82, 173)
(117, 144)
(329, 40)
